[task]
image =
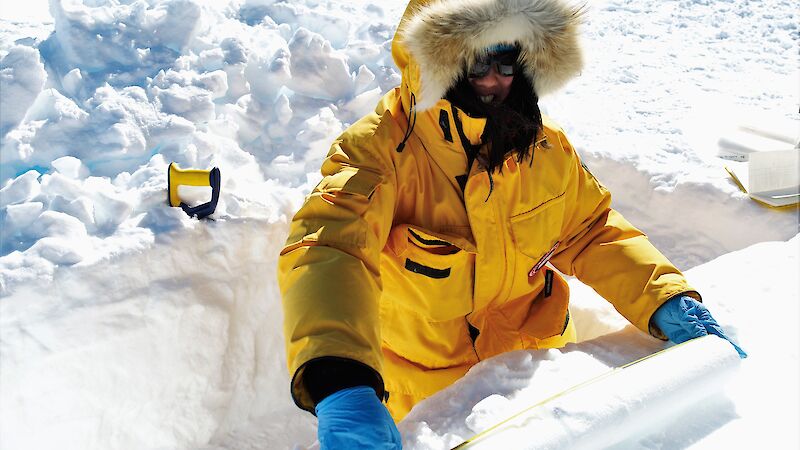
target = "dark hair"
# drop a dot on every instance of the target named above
(511, 126)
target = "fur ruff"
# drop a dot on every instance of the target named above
(446, 35)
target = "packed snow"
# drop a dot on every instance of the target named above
(126, 324)
(617, 406)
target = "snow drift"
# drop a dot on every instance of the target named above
(126, 324)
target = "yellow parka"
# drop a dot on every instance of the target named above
(389, 263)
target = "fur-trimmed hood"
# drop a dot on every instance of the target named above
(437, 39)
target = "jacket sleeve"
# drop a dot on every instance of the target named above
(328, 272)
(606, 252)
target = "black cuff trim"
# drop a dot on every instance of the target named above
(321, 377)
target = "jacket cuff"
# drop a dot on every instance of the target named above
(321, 377)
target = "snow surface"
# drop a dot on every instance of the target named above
(126, 324)
(614, 408)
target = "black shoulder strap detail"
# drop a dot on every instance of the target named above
(444, 122)
(469, 149)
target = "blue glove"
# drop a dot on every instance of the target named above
(356, 418)
(682, 318)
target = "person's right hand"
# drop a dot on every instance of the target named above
(354, 418)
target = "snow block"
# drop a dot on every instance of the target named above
(630, 401)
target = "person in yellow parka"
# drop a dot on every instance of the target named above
(436, 237)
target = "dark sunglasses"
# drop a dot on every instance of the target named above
(506, 64)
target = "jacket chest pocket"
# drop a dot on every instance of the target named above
(536, 232)
(428, 273)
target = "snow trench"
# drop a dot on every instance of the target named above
(125, 324)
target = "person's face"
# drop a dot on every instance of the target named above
(491, 76)
(492, 87)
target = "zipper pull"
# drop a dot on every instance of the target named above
(544, 259)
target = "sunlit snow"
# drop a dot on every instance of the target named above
(126, 324)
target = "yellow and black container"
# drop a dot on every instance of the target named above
(193, 177)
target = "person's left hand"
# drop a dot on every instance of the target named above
(355, 418)
(682, 318)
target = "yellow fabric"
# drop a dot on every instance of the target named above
(389, 264)
(400, 403)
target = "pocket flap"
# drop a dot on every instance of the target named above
(536, 231)
(351, 180)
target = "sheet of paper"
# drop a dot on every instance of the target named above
(770, 171)
(774, 177)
